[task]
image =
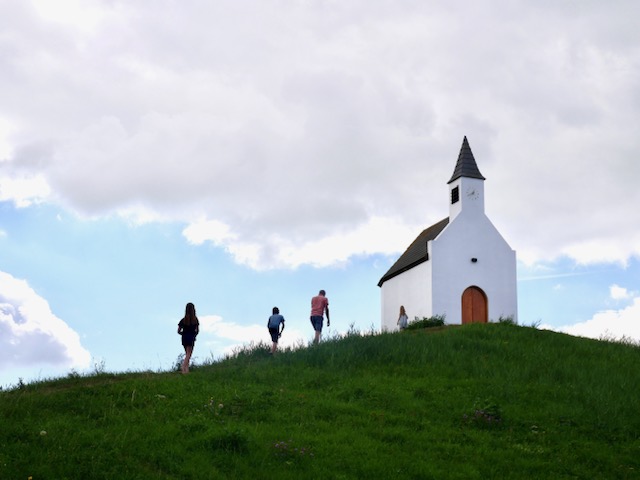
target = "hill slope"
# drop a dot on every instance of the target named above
(477, 401)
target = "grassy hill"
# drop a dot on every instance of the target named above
(467, 402)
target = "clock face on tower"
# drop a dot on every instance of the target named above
(472, 193)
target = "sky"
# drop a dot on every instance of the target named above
(244, 155)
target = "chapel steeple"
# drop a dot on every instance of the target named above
(466, 165)
(466, 187)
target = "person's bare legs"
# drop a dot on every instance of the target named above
(187, 358)
(316, 340)
(274, 347)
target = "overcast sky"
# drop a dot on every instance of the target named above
(242, 155)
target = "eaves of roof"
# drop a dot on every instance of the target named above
(416, 253)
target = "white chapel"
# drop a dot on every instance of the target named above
(460, 267)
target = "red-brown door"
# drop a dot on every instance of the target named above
(474, 306)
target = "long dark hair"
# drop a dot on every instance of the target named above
(190, 315)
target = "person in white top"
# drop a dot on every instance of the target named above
(403, 320)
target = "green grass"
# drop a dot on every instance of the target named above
(467, 402)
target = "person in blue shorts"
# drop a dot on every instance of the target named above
(319, 307)
(188, 327)
(273, 324)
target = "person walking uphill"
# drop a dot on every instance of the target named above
(319, 305)
(188, 327)
(273, 325)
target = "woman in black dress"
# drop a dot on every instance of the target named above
(188, 328)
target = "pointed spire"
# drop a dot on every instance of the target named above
(466, 166)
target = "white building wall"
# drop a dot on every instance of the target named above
(472, 235)
(411, 289)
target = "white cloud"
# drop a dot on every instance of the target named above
(228, 330)
(80, 14)
(228, 336)
(603, 249)
(619, 293)
(5, 145)
(30, 334)
(208, 230)
(609, 324)
(378, 235)
(24, 191)
(293, 133)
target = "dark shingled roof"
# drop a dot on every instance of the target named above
(416, 253)
(466, 166)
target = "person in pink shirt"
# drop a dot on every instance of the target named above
(319, 305)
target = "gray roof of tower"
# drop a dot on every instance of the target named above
(416, 253)
(466, 165)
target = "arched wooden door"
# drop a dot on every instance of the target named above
(474, 306)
